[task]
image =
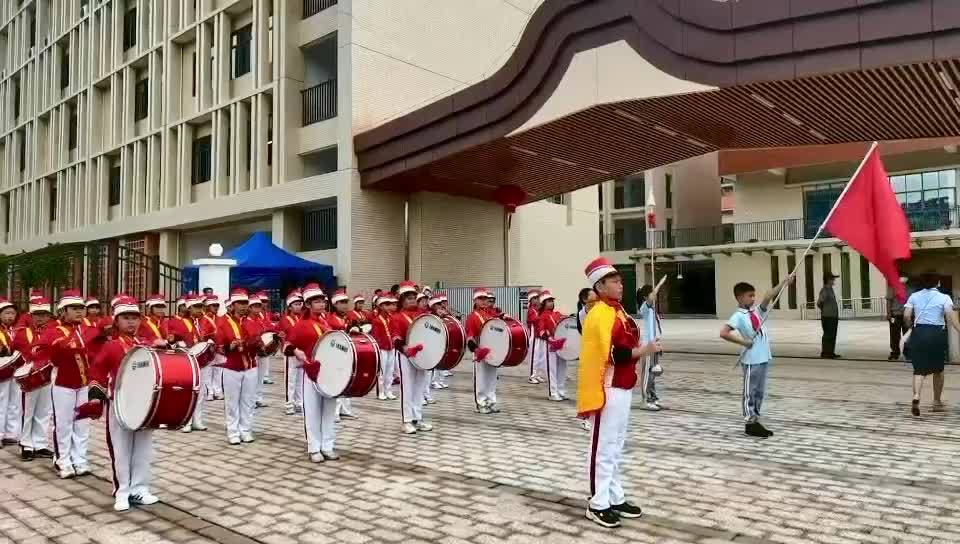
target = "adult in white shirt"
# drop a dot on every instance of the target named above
(927, 312)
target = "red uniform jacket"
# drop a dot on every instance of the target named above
(266, 321)
(243, 357)
(399, 324)
(25, 340)
(151, 330)
(336, 321)
(63, 346)
(287, 323)
(547, 324)
(103, 371)
(533, 318)
(381, 331)
(624, 372)
(305, 334)
(474, 323)
(184, 329)
(356, 318)
(208, 327)
(6, 348)
(25, 320)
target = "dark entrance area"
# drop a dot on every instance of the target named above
(690, 288)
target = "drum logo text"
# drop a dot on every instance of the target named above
(496, 329)
(433, 328)
(340, 347)
(141, 364)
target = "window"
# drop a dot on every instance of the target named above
(23, 152)
(865, 281)
(628, 192)
(114, 193)
(140, 98)
(65, 68)
(845, 279)
(129, 29)
(668, 187)
(669, 232)
(629, 234)
(319, 229)
(775, 274)
(600, 197)
(826, 262)
(16, 98)
(193, 81)
(53, 201)
(558, 199)
(808, 279)
(72, 130)
(202, 148)
(240, 42)
(33, 30)
(927, 198)
(792, 289)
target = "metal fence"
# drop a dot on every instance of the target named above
(313, 7)
(853, 308)
(319, 102)
(512, 300)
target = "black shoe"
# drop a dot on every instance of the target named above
(915, 407)
(763, 429)
(755, 429)
(894, 357)
(45, 453)
(605, 518)
(26, 455)
(10, 441)
(627, 510)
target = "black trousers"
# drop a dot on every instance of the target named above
(897, 329)
(829, 341)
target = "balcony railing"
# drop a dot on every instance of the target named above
(313, 7)
(319, 102)
(764, 231)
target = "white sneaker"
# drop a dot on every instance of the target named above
(447, 373)
(541, 379)
(585, 425)
(424, 426)
(188, 428)
(67, 472)
(430, 401)
(444, 386)
(381, 396)
(485, 409)
(246, 438)
(330, 455)
(81, 470)
(260, 404)
(533, 379)
(337, 419)
(146, 499)
(234, 440)
(494, 409)
(652, 406)
(298, 409)
(391, 396)
(121, 504)
(348, 415)
(317, 457)
(200, 427)
(289, 411)
(556, 398)
(409, 428)
(268, 381)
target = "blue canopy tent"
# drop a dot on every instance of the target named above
(263, 265)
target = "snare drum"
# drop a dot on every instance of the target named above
(366, 328)
(269, 342)
(567, 329)
(30, 377)
(349, 364)
(8, 365)
(443, 339)
(156, 388)
(203, 352)
(507, 340)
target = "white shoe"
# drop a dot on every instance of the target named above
(485, 409)
(556, 398)
(330, 455)
(564, 396)
(533, 379)
(316, 457)
(200, 427)
(381, 396)
(424, 426)
(430, 401)
(652, 406)
(541, 379)
(289, 410)
(145, 499)
(348, 415)
(391, 396)
(261, 404)
(81, 470)
(246, 438)
(337, 419)
(67, 472)
(584, 424)
(298, 409)
(209, 398)
(268, 381)
(494, 409)
(121, 504)
(233, 441)
(188, 428)
(409, 428)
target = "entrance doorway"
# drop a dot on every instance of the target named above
(690, 288)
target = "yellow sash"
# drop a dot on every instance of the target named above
(154, 328)
(595, 345)
(234, 326)
(3, 338)
(317, 328)
(79, 358)
(187, 323)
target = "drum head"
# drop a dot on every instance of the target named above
(198, 349)
(567, 329)
(335, 353)
(429, 331)
(495, 335)
(23, 371)
(11, 360)
(135, 387)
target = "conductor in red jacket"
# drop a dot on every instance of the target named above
(239, 370)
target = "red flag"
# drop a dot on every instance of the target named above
(869, 219)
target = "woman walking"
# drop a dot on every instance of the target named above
(928, 310)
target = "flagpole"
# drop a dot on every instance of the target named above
(803, 256)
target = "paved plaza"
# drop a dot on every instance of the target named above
(847, 464)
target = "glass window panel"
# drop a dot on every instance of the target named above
(899, 184)
(901, 198)
(930, 180)
(914, 182)
(948, 178)
(948, 196)
(913, 198)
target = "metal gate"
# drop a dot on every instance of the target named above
(512, 300)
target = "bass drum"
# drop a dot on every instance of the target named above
(507, 341)
(156, 388)
(567, 329)
(349, 364)
(443, 339)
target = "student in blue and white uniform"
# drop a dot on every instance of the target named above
(651, 330)
(927, 311)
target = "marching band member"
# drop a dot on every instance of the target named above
(484, 375)
(211, 306)
(556, 367)
(182, 306)
(319, 411)
(337, 320)
(270, 322)
(293, 374)
(26, 318)
(381, 332)
(239, 370)
(607, 375)
(153, 330)
(412, 379)
(10, 396)
(533, 318)
(130, 451)
(358, 316)
(438, 307)
(256, 324)
(188, 331)
(63, 346)
(37, 404)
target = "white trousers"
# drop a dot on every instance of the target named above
(293, 376)
(130, 455)
(10, 401)
(484, 384)
(216, 376)
(344, 406)
(319, 419)
(240, 396)
(205, 375)
(37, 407)
(388, 361)
(557, 375)
(70, 434)
(606, 449)
(263, 364)
(412, 380)
(427, 392)
(530, 341)
(539, 367)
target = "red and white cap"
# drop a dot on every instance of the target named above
(4, 304)
(294, 296)
(91, 301)
(340, 296)
(263, 296)
(598, 269)
(311, 291)
(438, 297)
(480, 292)
(254, 298)
(182, 301)
(40, 304)
(532, 294)
(193, 299)
(238, 294)
(36, 294)
(405, 287)
(546, 295)
(155, 299)
(359, 298)
(70, 297)
(211, 300)
(386, 297)
(123, 304)
(421, 295)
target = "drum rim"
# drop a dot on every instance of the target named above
(572, 317)
(509, 337)
(353, 370)
(463, 334)
(158, 378)
(194, 387)
(507, 320)
(446, 336)
(10, 359)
